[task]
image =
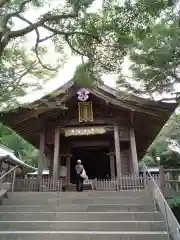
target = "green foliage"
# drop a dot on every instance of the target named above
(19, 63)
(170, 159)
(145, 31)
(21, 148)
(175, 206)
(175, 202)
(160, 147)
(154, 53)
(150, 161)
(12, 84)
(83, 4)
(84, 75)
(155, 57)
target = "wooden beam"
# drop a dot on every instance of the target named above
(124, 122)
(43, 107)
(90, 143)
(123, 104)
(30, 114)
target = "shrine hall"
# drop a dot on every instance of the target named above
(109, 130)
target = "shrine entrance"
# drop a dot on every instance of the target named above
(94, 159)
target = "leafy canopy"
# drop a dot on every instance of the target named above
(147, 31)
(21, 148)
(55, 27)
(162, 145)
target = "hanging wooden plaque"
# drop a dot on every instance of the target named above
(84, 131)
(85, 111)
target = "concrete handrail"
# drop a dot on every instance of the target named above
(7, 173)
(172, 224)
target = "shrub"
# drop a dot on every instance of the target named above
(175, 206)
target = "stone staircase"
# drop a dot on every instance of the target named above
(126, 215)
(72, 187)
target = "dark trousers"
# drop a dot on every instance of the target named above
(79, 183)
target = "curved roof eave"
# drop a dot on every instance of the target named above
(8, 154)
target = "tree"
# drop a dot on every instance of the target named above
(104, 37)
(155, 59)
(154, 55)
(162, 146)
(55, 26)
(58, 22)
(21, 148)
(151, 43)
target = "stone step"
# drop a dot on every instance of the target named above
(84, 200)
(128, 226)
(78, 208)
(87, 194)
(81, 216)
(77, 235)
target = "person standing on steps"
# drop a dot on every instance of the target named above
(79, 177)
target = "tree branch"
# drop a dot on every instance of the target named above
(47, 38)
(17, 81)
(68, 34)
(3, 43)
(71, 46)
(5, 34)
(21, 8)
(60, 32)
(37, 54)
(36, 45)
(46, 17)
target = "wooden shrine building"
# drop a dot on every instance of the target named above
(108, 130)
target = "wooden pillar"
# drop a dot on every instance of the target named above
(68, 165)
(51, 167)
(134, 152)
(59, 166)
(46, 162)
(161, 178)
(117, 151)
(56, 155)
(49, 160)
(112, 165)
(41, 153)
(8, 167)
(0, 167)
